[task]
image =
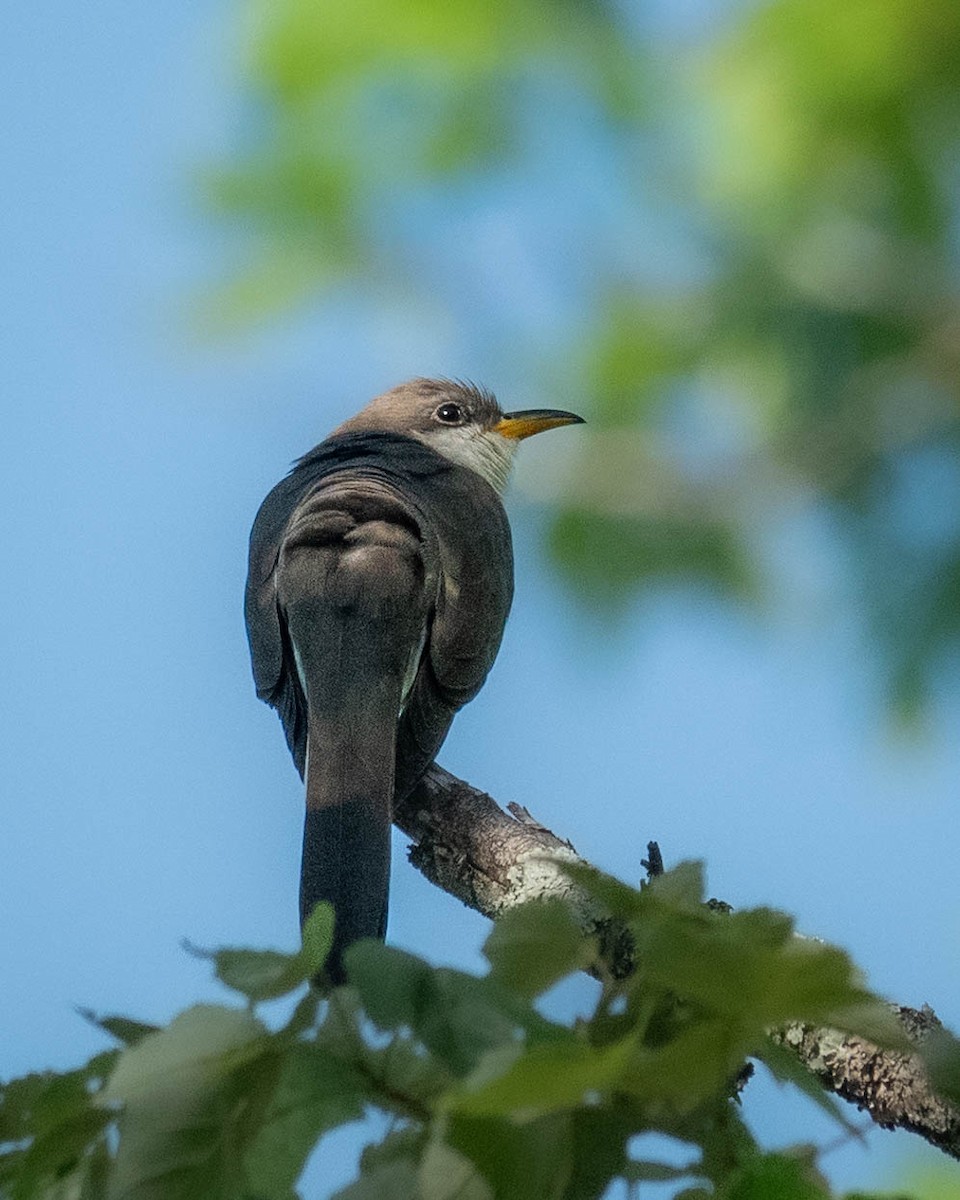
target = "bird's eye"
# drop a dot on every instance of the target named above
(450, 414)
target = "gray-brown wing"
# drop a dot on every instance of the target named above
(468, 552)
(473, 601)
(309, 495)
(271, 654)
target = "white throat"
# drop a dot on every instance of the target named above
(489, 454)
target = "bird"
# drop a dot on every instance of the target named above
(380, 578)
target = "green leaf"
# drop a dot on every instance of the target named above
(775, 1175)
(11, 1163)
(304, 1015)
(458, 1017)
(401, 1077)
(405, 1070)
(55, 1126)
(259, 974)
(84, 1179)
(533, 946)
(340, 1030)
(406, 1142)
(317, 937)
(698, 1063)
(124, 1029)
(519, 1161)
(679, 890)
(749, 966)
(547, 1078)
(645, 1171)
(926, 1195)
(599, 1148)
(92, 1177)
(36, 1104)
(724, 962)
(446, 1175)
(195, 1050)
(940, 1051)
(393, 1181)
(619, 899)
(725, 1141)
(267, 974)
(786, 1068)
(59, 1151)
(614, 556)
(682, 888)
(25, 1103)
(394, 986)
(191, 1094)
(871, 1018)
(315, 1092)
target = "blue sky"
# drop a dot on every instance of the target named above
(149, 797)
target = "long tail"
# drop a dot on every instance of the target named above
(346, 861)
(353, 597)
(346, 838)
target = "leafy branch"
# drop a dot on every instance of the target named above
(494, 861)
(488, 1098)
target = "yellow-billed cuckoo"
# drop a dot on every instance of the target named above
(380, 578)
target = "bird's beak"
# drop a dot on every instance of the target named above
(534, 420)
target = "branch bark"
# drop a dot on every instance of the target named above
(493, 860)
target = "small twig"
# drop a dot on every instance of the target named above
(653, 865)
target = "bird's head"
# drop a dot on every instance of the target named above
(462, 422)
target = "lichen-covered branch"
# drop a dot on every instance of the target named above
(893, 1088)
(494, 860)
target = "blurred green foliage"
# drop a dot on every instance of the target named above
(488, 1099)
(800, 349)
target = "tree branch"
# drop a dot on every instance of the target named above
(493, 860)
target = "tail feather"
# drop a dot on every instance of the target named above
(346, 861)
(355, 613)
(351, 751)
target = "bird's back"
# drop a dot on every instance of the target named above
(464, 540)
